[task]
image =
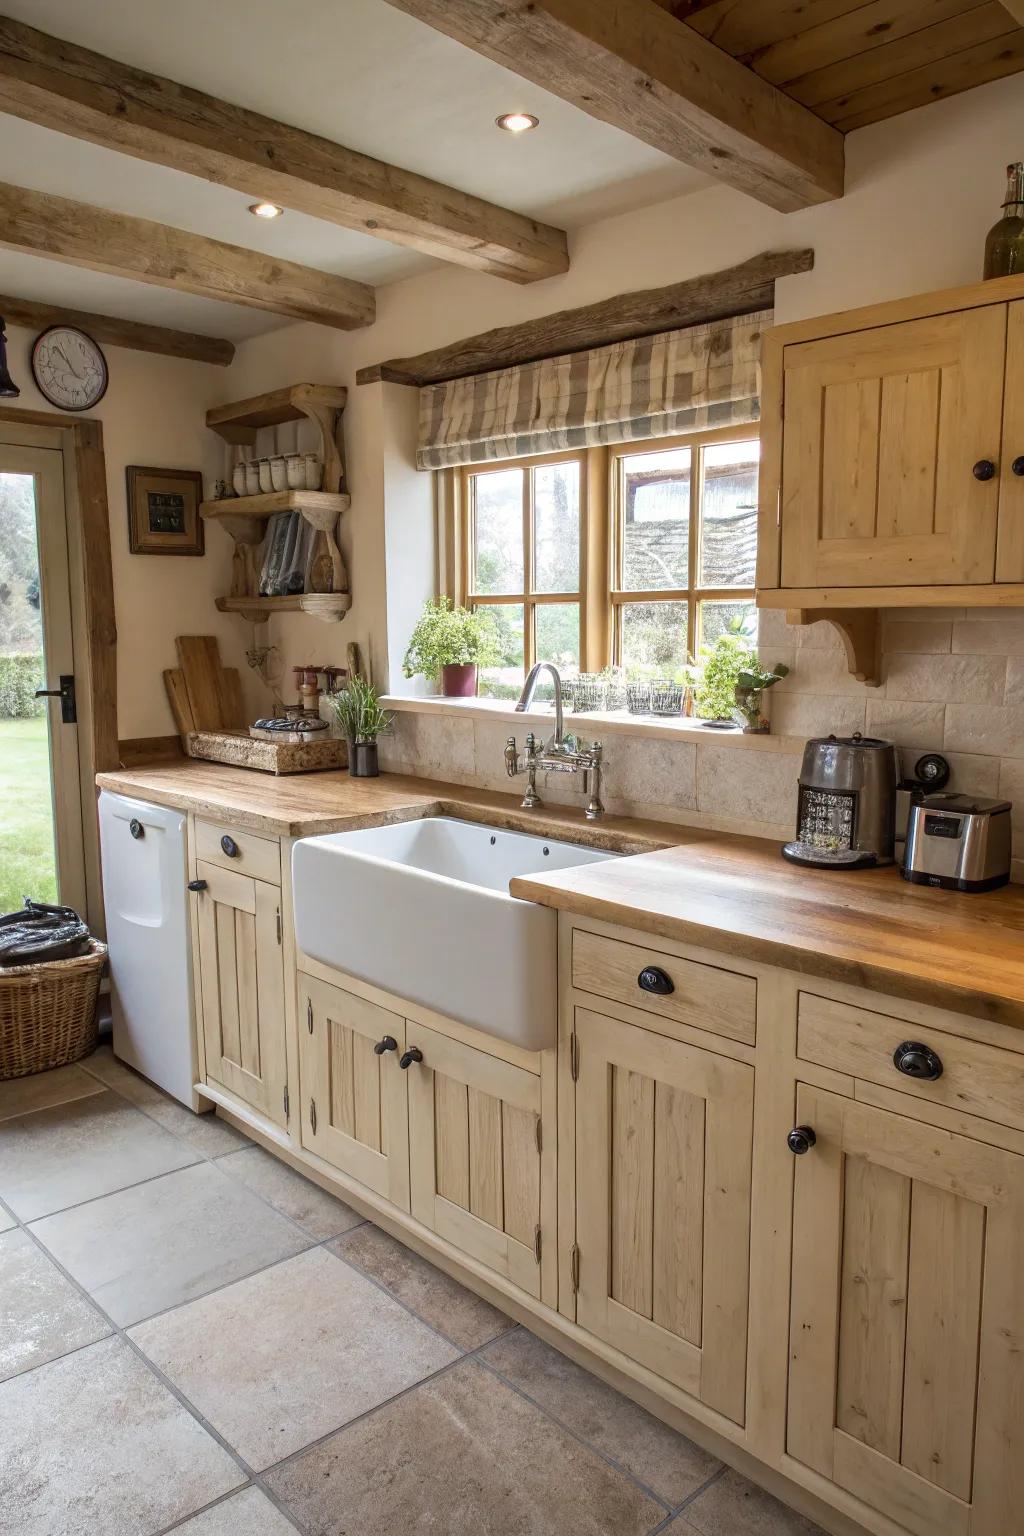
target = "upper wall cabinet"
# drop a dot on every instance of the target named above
(893, 456)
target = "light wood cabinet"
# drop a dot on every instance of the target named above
(881, 431)
(482, 1175)
(663, 1150)
(353, 1110)
(241, 981)
(907, 1327)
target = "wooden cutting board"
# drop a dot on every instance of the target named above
(204, 696)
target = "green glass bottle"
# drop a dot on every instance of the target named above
(1004, 244)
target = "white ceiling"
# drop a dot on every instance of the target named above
(356, 71)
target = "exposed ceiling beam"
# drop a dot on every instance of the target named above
(739, 290)
(118, 333)
(86, 236)
(78, 92)
(1015, 8)
(632, 64)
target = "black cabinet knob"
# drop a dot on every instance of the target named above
(1018, 464)
(229, 846)
(408, 1057)
(136, 828)
(389, 1043)
(653, 979)
(197, 885)
(984, 469)
(916, 1060)
(801, 1139)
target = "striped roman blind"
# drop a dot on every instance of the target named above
(652, 386)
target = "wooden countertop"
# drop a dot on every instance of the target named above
(736, 894)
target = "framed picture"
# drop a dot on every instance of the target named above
(163, 511)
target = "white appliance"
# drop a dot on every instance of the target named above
(146, 903)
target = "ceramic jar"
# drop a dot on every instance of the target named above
(266, 484)
(252, 478)
(238, 478)
(314, 472)
(295, 472)
(278, 473)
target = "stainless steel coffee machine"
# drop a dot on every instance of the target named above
(846, 814)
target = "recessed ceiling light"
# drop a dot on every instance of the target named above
(517, 122)
(266, 210)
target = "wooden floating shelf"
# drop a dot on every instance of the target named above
(323, 505)
(329, 607)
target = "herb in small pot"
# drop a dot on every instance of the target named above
(362, 719)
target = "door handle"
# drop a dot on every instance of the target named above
(66, 694)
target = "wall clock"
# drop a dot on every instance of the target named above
(69, 368)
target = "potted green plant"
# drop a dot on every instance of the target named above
(451, 643)
(750, 688)
(721, 664)
(362, 719)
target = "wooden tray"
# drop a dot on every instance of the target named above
(244, 751)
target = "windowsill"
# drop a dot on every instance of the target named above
(608, 722)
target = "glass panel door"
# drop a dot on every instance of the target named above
(41, 852)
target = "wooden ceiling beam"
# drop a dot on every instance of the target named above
(633, 64)
(1015, 9)
(133, 334)
(739, 290)
(86, 236)
(75, 91)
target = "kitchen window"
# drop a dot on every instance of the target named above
(630, 556)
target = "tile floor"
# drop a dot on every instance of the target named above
(194, 1338)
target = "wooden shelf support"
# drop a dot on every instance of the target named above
(860, 629)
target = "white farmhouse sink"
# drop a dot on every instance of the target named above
(423, 910)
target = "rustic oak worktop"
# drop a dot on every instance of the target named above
(736, 894)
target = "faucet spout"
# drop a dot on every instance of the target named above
(557, 741)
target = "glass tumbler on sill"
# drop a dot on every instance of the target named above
(638, 698)
(667, 697)
(590, 693)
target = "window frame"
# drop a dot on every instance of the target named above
(602, 598)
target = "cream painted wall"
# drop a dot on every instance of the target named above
(152, 414)
(922, 190)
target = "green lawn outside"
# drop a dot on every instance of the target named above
(27, 865)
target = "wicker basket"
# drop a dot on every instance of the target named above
(48, 1012)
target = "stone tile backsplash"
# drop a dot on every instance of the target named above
(952, 681)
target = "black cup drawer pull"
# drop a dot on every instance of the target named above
(916, 1060)
(229, 846)
(653, 979)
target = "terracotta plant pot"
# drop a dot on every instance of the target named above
(459, 682)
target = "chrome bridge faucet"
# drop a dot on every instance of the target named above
(559, 754)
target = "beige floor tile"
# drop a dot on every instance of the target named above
(104, 1065)
(284, 1357)
(249, 1513)
(463, 1455)
(205, 1133)
(429, 1292)
(42, 1315)
(59, 1157)
(22, 1095)
(94, 1445)
(302, 1201)
(166, 1242)
(6, 1222)
(665, 1462)
(734, 1507)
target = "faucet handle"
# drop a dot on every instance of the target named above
(511, 757)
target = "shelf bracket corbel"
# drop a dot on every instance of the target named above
(860, 630)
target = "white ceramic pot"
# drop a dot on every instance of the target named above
(295, 471)
(314, 472)
(252, 478)
(266, 484)
(238, 478)
(278, 473)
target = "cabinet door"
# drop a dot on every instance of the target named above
(242, 986)
(354, 1108)
(663, 1147)
(881, 433)
(1010, 549)
(907, 1328)
(478, 1169)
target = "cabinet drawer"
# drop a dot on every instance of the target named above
(699, 995)
(977, 1078)
(258, 857)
